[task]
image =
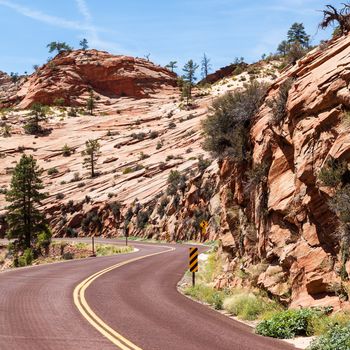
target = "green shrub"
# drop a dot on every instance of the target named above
(66, 151)
(321, 324)
(52, 171)
(162, 206)
(154, 134)
(143, 156)
(176, 182)
(332, 173)
(247, 306)
(44, 239)
(140, 136)
(142, 218)
(6, 130)
(279, 103)
(203, 163)
(213, 268)
(73, 112)
(287, 324)
(68, 256)
(227, 126)
(206, 294)
(27, 258)
(59, 101)
(337, 338)
(109, 249)
(59, 196)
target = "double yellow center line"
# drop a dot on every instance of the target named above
(84, 308)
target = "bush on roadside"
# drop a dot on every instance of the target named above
(27, 258)
(44, 239)
(321, 324)
(337, 338)
(109, 249)
(247, 306)
(287, 324)
(206, 294)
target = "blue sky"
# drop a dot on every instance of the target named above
(168, 30)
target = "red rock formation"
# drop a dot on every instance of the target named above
(9, 89)
(222, 73)
(298, 235)
(70, 75)
(282, 233)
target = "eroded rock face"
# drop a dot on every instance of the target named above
(9, 89)
(70, 76)
(298, 233)
(280, 234)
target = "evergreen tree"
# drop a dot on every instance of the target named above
(90, 104)
(171, 65)
(91, 153)
(37, 115)
(25, 221)
(297, 34)
(189, 76)
(58, 46)
(283, 48)
(84, 44)
(206, 66)
(186, 92)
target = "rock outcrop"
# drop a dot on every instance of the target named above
(291, 241)
(224, 72)
(279, 234)
(9, 88)
(71, 75)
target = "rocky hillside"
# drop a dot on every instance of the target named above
(70, 76)
(142, 139)
(272, 214)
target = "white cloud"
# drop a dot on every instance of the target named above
(84, 10)
(92, 34)
(91, 31)
(48, 19)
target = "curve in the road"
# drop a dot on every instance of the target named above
(84, 308)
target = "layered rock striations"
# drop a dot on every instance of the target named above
(70, 76)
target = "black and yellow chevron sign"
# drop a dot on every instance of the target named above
(193, 259)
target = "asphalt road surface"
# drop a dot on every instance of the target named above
(137, 300)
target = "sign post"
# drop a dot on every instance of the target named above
(93, 245)
(193, 264)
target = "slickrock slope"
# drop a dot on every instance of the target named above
(71, 75)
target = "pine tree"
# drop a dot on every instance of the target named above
(58, 46)
(25, 220)
(206, 66)
(189, 76)
(283, 48)
(171, 65)
(90, 104)
(297, 34)
(91, 153)
(37, 115)
(84, 44)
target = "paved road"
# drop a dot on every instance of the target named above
(138, 300)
